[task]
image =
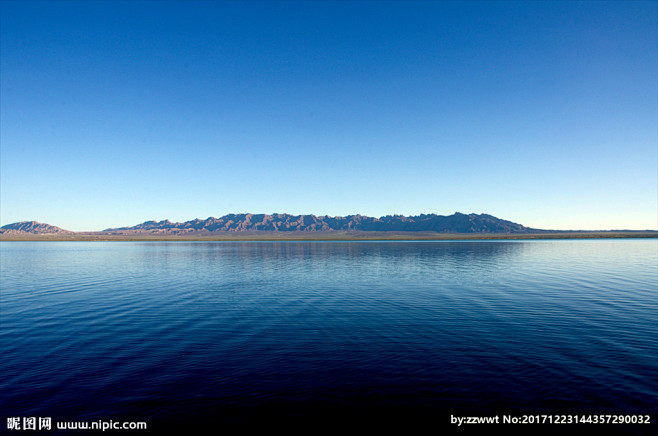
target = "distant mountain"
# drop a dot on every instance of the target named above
(456, 223)
(30, 227)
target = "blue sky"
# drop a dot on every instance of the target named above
(543, 113)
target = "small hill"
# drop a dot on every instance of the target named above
(32, 227)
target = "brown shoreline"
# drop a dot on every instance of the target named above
(324, 236)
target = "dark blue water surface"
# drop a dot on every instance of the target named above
(180, 334)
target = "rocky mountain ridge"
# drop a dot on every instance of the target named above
(456, 223)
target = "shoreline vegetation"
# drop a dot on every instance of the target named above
(323, 236)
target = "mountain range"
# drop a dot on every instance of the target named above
(456, 223)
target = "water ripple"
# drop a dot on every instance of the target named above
(223, 331)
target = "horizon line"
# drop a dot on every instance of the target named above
(167, 220)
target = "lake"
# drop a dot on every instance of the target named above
(187, 335)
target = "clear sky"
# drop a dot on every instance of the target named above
(542, 113)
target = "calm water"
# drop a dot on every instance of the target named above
(217, 333)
